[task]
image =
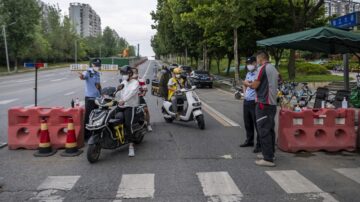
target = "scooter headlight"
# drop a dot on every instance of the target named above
(196, 104)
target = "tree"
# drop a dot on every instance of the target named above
(305, 14)
(26, 15)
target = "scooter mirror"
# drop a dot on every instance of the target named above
(120, 80)
(193, 87)
(147, 81)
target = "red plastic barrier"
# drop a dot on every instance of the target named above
(315, 130)
(24, 126)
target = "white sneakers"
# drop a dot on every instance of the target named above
(149, 128)
(131, 151)
(262, 162)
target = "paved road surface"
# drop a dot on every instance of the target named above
(176, 162)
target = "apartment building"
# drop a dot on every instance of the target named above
(85, 20)
(341, 7)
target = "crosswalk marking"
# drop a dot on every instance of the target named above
(219, 186)
(352, 173)
(4, 102)
(50, 189)
(136, 186)
(293, 182)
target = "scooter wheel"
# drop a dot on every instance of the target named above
(201, 122)
(168, 120)
(93, 152)
(238, 96)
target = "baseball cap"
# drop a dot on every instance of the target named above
(250, 60)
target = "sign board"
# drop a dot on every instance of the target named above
(33, 65)
(346, 21)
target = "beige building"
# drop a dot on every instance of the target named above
(85, 20)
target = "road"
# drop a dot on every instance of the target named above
(176, 162)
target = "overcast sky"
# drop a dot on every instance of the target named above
(130, 18)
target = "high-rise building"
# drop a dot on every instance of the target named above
(341, 7)
(85, 19)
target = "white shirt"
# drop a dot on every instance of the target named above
(129, 94)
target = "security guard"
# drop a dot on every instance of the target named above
(92, 89)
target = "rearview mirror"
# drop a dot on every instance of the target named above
(193, 87)
(147, 81)
(120, 80)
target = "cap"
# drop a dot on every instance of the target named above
(250, 60)
(96, 62)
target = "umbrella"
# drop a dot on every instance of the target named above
(321, 39)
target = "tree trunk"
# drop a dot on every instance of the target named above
(191, 61)
(228, 67)
(16, 65)
(205, 59)
(209, 69)
(236, 56)
(291, 65)
(218, 65)
(186, 56)
(197, 62)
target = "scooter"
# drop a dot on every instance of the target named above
(238, 93)
(107, 125)
(190, 109)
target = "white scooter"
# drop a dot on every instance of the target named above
(189, 111)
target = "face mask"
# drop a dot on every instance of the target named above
(251, 68)
(96, 69)
(135, 76)
(177, 76)
(125, 77)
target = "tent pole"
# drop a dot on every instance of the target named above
(346, 71)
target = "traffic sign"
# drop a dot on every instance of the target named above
(33, 65)
(346, 21)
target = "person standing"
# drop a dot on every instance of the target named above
(266, 84)
(92, 90)
(249, 108)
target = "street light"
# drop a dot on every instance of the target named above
(5, 42)
(75, 51)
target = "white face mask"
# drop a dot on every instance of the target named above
(251, 68)
(96, 69)
(135, 76)
(177, 76)
(125, 77)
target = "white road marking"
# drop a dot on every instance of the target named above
(4, 102)
(136, 186)
(70, 93)
(219, 186)
(293, 182)
(147, 69)
(352, 173)
(219, 116)
(28, 106)
(227, 156)
(49, 189)
(57, 80)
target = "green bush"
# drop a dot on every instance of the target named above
(311, 69)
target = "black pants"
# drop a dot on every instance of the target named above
(265, 120)
(250, 123)
(129, 113)
(89, 106)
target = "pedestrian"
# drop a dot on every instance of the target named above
(249, 107)
(265, 84)
(165, 76)
(92, 90)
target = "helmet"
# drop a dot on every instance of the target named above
(96, 62)
(250, 60)
(108, 91)
(124, 70)
(177, 70)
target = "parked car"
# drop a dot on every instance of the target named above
(201, 78)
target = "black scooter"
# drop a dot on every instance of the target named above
(107, 125)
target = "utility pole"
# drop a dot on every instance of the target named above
(75, 52)
(6, 49)
(138, 50)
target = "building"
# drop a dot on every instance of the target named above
(85, 19)
(341, 7)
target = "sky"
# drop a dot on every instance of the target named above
(130, 18)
